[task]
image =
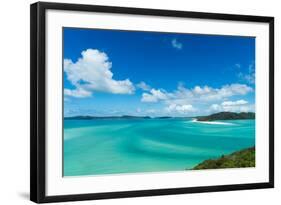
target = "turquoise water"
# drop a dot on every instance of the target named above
(106, 146)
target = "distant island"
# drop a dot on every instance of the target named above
(242, 158)
(88, 117)
(227, 116)
(212, 117)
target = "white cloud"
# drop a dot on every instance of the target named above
(238, 65)
(93, 72)
(232, 106)
(201, 91)
(142, 85)
(154, 96)
(176, 44)
(215, 107)
(204, 94)
(250, 76)
(148, 98)
(197, 94)
(234, 89)
(182, 99)
(182, 109)
(78, 92)
(234, 103)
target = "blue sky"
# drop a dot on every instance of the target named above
(110, 72)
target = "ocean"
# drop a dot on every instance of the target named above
(116, 146)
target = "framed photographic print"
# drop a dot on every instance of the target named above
(129, 102)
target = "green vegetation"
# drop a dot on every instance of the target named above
(242, 158)
(227, 116)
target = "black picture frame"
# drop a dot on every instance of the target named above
(38, 101)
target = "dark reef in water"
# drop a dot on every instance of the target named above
(242, 158)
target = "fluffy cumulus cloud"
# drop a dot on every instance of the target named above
(209, 94)
(78, 92)
(180, 108)
(142, 85)
(176, 44)
(182, 99)
(92, 72)
(154, 96)
(232, 106)
(185, 96)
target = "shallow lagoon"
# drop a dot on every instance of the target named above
(111, 146)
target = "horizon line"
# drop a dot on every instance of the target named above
(147, 116)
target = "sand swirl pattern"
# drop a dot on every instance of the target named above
(94, 147)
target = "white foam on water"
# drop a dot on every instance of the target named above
(212, 122)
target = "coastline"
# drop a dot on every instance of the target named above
(238, 159)
(226, 116)
(212, 122)
(157, 144)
